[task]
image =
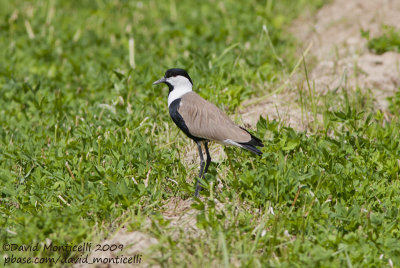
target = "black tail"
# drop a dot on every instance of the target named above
(251, 148)
(251, 145)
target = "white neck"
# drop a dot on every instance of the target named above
(181, 85)
(178, 92)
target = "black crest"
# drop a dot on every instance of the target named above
(176, 71)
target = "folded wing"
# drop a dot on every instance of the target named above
(205, 120)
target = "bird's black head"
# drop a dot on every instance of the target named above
(176, 72)
(175, 77)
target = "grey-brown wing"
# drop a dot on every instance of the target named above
(205, 120)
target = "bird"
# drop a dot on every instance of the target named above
(202, 121)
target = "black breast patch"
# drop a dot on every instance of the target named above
(178, 119)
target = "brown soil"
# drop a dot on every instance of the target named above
(339, 46)
(134, 243)
(339, 49)
(281, 107)
(181, 215)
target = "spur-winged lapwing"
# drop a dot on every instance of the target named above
(201, 120)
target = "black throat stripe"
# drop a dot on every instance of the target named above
(178, 119)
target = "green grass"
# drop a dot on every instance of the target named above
(394, 103)
(86, 143)
(388, 41)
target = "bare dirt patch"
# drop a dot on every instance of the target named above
(135, 244)
(339, 51)
(339, 47)
(181, 215)
(280, 107)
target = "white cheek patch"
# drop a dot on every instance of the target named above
(179, 81)
(181, 86)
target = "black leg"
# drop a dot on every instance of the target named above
(208, 161)
(198, 187)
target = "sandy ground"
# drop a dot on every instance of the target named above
(135, 244)
(337, 48)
